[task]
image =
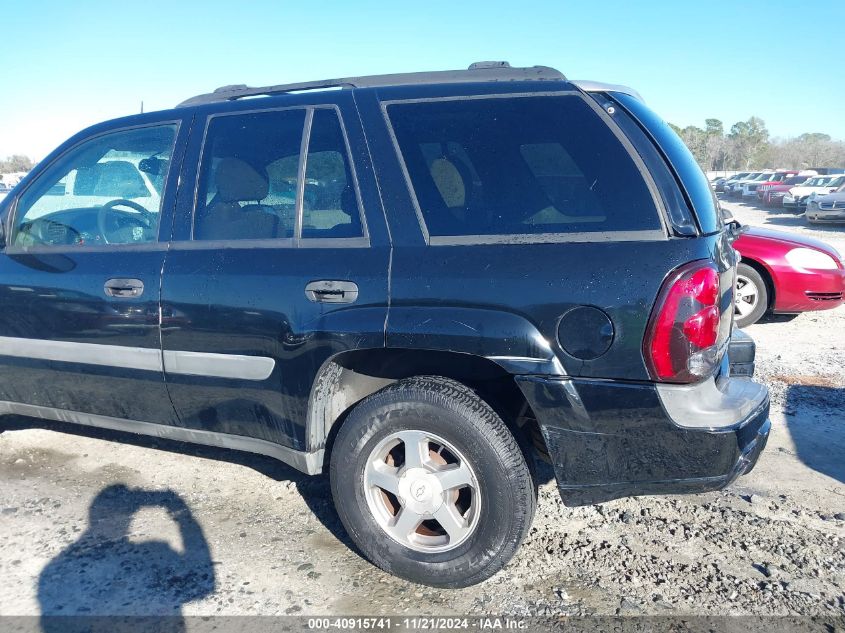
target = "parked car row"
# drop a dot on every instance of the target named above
(789, 189)
(780, 272)
(785, 273)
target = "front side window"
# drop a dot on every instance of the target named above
(519, 166)
(107, 190)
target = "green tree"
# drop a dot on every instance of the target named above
(715, 144)
(748, 143)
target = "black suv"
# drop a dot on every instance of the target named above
(415, 282)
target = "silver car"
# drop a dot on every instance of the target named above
(826, 208)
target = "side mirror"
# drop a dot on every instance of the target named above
(734, 229)
(151, 165)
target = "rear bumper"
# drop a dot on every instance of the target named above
(608, 440)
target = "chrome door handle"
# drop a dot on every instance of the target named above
(124, 288)
(331, 291)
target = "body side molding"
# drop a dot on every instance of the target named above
(238, 366)
(310, 463)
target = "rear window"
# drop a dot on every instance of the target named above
(683, 162)
(519, 166)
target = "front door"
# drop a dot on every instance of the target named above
(80, 277)
(273, 268)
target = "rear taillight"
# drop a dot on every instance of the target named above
(681, 342)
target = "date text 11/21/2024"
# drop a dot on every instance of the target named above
(425, 623)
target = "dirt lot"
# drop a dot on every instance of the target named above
(94, 526)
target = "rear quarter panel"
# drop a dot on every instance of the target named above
(442, 296)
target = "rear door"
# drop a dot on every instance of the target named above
(279, 261)
(80, 276)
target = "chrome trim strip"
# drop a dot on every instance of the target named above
(145, 358)
(310, 463)
(525, 365)
(236, 366)
(218, 365)
(643, 235)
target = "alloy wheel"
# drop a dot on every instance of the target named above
(747, 296)
(422, 491)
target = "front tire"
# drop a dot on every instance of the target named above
(430, 484)
(752, 296)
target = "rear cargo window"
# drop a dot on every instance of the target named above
(519, 166)
(683, 162)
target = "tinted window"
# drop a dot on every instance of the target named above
(519, 165)
(106, 190)
(692, 178)
(248, 175)
(329, 205)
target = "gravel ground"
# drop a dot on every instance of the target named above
(150, 527)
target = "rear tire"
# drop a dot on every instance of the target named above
(393, 466)
(752, 298)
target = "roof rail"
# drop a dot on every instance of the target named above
(477, 72)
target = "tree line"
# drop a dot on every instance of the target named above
(747, 145)
(15, 163)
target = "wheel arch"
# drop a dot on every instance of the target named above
(347, 378)
(768, 278)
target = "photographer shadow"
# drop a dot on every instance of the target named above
(819, 439)
(106, 573)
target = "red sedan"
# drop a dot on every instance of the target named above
(785, 273)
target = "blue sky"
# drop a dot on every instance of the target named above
(69, 64)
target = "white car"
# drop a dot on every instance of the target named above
(797, 197)
(735, 188)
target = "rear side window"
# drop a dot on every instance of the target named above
(519, 166)
(249, 183)
(329, 203)
(248, 176)
(682, 161)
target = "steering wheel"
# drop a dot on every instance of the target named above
(103, 211)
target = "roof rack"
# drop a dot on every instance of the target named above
(477, 72)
